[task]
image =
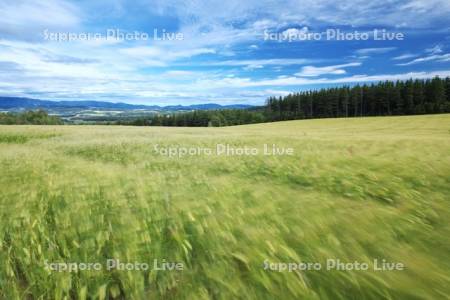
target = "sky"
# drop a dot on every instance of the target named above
(166, 52)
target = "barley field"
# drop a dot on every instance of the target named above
(355, 190)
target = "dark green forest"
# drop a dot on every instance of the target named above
(202, 118)
(388, 98)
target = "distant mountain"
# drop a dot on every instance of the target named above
(10, 103)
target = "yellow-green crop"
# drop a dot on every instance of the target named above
(353, 190)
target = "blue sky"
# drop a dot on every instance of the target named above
(223, 53)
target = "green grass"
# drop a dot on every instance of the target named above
(355, 190)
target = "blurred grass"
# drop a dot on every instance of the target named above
(355, 189)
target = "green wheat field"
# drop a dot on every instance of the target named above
(353, 190)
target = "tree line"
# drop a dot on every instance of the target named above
(38, 117)
(388, 98)
(201, 118)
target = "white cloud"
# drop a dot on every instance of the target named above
(253, 67)
(404, 56)
(262, 62)
(27, 19)
(299, 81)
(159, 53)
(434, 57)
(142, 52)
(435, 50)
(368, 51)
(311, 71)
(413, 13)
(294, 33)
(179, 74)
